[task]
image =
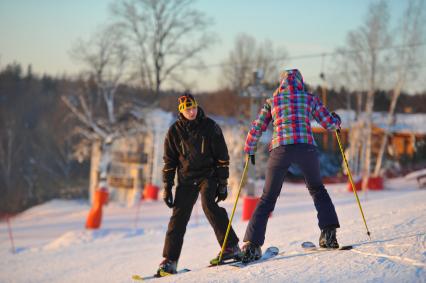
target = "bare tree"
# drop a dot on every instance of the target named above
(248, 56)
(366, 53)
(165, 37)
(411, 33)
(105, 58)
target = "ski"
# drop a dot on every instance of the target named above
(137, 277)
(269, 253)
(228, 262)
(312, 247)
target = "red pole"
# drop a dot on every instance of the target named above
(10, 233)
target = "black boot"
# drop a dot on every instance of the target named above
(251, 252)
(328, 238)
(167, 266)
(229, 253)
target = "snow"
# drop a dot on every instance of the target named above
(416, 174)
(53, 246)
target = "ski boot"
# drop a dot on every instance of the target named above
(167, 267)
(328, 238)
(233, 252)
(251, 252)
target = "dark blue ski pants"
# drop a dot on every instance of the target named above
(280, 159)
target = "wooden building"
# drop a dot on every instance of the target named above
(407, 135)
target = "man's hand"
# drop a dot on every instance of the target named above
(222, 190)
(168, 195)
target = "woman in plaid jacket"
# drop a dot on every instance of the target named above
(290, 110)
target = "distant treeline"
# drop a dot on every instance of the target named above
(37, 138)
(229, 103)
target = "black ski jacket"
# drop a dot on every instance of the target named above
(197, 149)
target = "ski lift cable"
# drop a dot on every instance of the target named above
(315, 55)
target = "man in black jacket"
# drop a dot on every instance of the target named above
(196, 149)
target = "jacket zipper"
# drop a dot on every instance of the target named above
(183, 148)
(202, 145)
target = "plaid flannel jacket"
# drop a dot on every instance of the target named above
(290, 110)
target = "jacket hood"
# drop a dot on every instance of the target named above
(291, 81)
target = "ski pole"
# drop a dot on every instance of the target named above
(233, 210)
(351, 181)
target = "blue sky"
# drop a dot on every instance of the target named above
(41, 32)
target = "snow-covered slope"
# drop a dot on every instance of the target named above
(53, 246)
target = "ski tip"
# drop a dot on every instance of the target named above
(307, 245)
(137, 277)
(310, 245)
(273, 250)
(216, 261)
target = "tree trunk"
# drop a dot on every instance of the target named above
(94, 168)
(391, 114)
(358, 105)
(110, 107)
(367, 160)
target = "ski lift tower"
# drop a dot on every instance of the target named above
(256, 91)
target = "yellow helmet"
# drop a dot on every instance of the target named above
(186, 101)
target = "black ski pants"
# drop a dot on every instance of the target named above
(280, 159)
(185, 198)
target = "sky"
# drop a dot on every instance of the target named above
(42, 32)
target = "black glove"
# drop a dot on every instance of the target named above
(222, 190)
(168, 195)
(337, 117)
(252, 159)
